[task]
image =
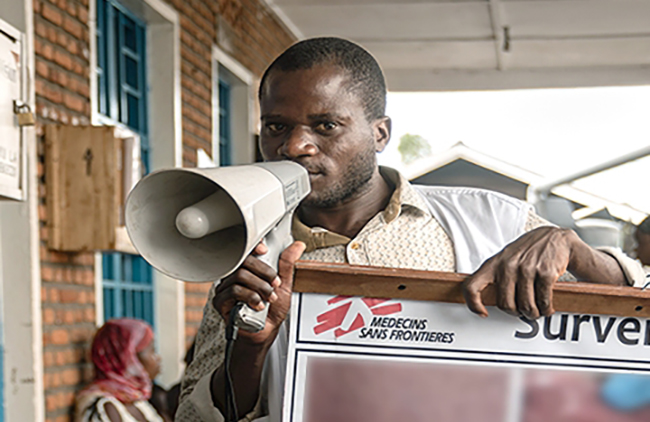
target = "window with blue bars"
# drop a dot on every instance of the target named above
(122, 98)
(127, 287)
(225, 132)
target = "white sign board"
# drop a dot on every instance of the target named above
(11, 157)
(409, 349)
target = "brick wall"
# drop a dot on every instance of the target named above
(245, 29)
(62, 87)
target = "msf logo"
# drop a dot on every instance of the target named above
(348, 314)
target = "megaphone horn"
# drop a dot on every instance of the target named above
(200, 224)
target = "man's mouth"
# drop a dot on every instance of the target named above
(311, 170)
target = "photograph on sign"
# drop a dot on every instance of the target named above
(387, 388)
(343, 387)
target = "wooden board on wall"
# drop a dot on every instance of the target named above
(351, 280)
(80, 171)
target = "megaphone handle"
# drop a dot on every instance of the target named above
(277, 240)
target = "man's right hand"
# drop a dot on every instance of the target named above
(255, 283)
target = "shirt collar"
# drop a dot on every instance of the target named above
(316, 237)
(404, 198)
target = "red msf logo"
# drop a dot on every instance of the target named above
(347, 305)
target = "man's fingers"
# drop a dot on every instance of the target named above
(472, 292)
(246, 280)
(225, 301)
(506, 288)
(260, 249)
(260, 268)
(526, 295)
(246, 288)
(251, 281)
(287, 261)
(474, 285)
(544, 294)
(293, 252)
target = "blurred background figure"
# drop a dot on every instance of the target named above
(125, 364)
(642, 236)
(630, 392)
(174, 393)
(160, 401)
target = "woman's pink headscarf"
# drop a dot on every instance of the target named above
(118, 371)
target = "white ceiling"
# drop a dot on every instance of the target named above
(426, 45)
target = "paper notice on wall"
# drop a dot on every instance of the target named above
(376, 359)
(10, 147)
(204, 160)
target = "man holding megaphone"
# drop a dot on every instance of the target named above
(322, 106)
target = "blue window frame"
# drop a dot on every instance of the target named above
(128, 287)
(121, 69)
(122, 92)
(225, 131)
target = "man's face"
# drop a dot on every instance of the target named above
(310, 116)
(643, 247)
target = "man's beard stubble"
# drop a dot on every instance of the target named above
(355, 179)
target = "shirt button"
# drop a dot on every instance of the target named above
(355, 245)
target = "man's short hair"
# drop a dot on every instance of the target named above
(644, 227)
(366, 77)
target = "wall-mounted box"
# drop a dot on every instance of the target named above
(12, 151)
(89, 171)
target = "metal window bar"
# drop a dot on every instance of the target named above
(130, 294)
(121, 36)
(102, 78)
(225, 134)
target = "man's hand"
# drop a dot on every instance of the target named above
(254, 283)
(526, 270)
(523, 273)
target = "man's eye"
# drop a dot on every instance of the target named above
(275, 127)
(326, 126)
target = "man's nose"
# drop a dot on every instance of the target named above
(299, 143)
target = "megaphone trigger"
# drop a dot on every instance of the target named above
(277, 240)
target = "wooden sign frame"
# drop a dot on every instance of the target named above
(396, 283)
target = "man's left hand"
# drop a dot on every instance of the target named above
(524, 273)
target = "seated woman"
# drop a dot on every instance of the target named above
(125, 364)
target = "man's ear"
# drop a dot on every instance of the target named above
(382, 128)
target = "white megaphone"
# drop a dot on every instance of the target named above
(200, 224)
